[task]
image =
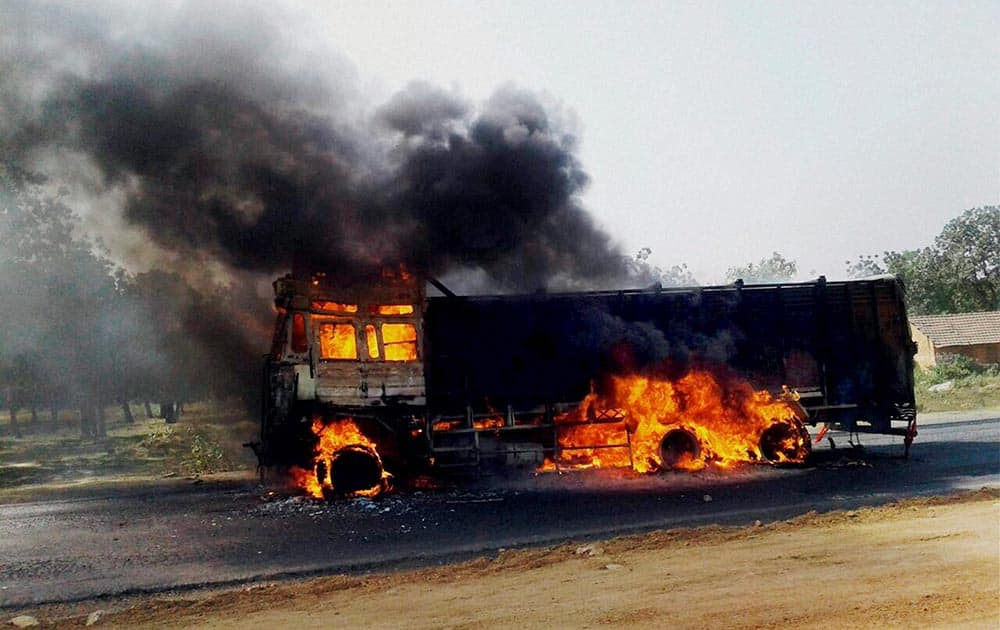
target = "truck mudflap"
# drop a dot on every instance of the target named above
(911, 434)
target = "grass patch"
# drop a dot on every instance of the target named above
(975, 386)
(207, 439)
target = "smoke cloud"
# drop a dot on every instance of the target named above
(209, 152)
(222, 155)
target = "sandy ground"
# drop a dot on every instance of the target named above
(922, 562)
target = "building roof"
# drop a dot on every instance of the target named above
(963, 329)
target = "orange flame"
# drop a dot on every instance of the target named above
(395, 309)
(337, 307)
(485, 424)
(696, 420)
(446, 425)
(400, 341)
(337, 341)
(335, 438)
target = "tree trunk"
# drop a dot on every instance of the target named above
(102, 427)
(86, 422)
(53, 419)
(162, 411)
(169, 412)
(34, 420)
(149, 410)
(13, 422)
(127, 412)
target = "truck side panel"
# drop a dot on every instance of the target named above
(845, 345)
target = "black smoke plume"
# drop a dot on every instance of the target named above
(203, 144)
(225, 160)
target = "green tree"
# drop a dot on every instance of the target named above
(866, 265)
(968, 249)
(773, 269)
(644, 272)
(78, 332)
(959, 273)
(55, 290)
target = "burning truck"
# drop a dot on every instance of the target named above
(370, 379)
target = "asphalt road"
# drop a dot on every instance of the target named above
(187, 537)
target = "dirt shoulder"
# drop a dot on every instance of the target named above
(920, 562)
(122, 486)
(51, 458)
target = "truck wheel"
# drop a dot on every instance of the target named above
(355, 469)
(784, 442)
(678, 446)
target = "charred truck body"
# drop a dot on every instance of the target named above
(455, 382)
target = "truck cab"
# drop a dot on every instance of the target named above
(349, 347)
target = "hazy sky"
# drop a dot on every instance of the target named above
(716, 133)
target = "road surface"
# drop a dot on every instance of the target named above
(218, 534)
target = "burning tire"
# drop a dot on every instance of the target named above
(785, 442)
(354, 470)
(678, 448)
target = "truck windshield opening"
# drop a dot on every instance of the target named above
(338, 341)
(400, 342)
